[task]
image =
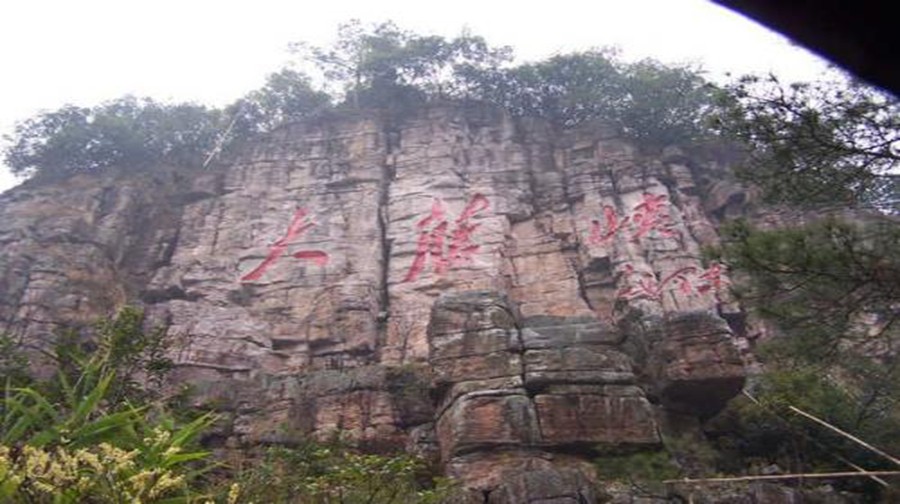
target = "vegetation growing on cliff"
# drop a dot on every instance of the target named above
(332, 473)
(127, 132)
(102, 430)
(382, 67)
(823, 143)
(815, 145)
(91, 434)
(829, 287)
(832, 289)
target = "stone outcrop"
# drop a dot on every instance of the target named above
(505, 297)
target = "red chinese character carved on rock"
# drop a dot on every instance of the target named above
(434, 231)
(712, 279)
(298, 226)
(648, 286)
(689, 281)
(598, 236)
(651, 215)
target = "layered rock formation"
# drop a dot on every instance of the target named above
(508, 298)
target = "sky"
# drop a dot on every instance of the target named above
(57, 52)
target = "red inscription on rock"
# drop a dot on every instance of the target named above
(688, 281)
(711, 279)
(599, 234)
(447, 246)
(647, 285)
(652, 214)
(299, 225)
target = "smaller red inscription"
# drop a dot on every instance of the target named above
(651, 214)
(317, 256)
(599, 235)
(711, 279)
(688, 281)
(650, 287)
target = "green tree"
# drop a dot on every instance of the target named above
(382, 67)
(384, 64)
(831, 289)
(127, 133)
(566, 89)
(651, 103)
(286, 97)
(827, 284)
(665, 104)
(816, 144)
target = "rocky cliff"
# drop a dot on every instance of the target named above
(510, 299)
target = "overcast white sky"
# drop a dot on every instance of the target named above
(54, 52)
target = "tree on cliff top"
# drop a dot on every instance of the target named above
(385, 67)
(647, 101)
(377, 65)
(287, 96)
(124, 133)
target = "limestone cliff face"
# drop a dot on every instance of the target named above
(503, 296)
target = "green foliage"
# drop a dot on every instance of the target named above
(652, 103)
(664, 104)
(286, 97)
(127, 133)
(756, 434)
(122, 346)
(825, 284)
(566, 89)
(647, 101)
(810, 143)
(641, 467)
(820, 144)
(315, 473)
(13, 362)
(89, 434)
(382, 67)
(383, 64)
(96, 433)
(832, 290)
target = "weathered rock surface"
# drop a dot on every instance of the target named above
(507, 297)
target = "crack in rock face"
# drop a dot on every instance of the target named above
(508, 299)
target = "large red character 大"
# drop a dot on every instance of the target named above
(299, 225)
